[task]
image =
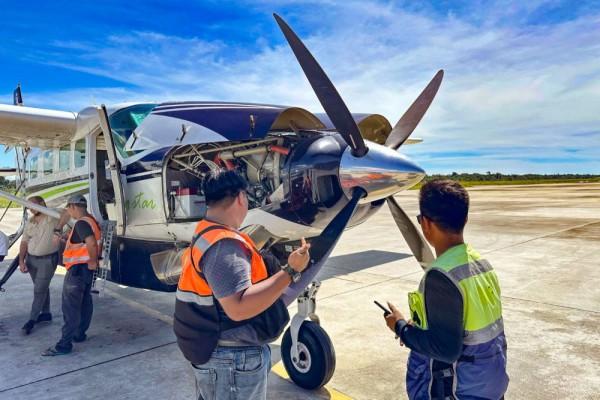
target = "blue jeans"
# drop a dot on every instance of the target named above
(234, 373)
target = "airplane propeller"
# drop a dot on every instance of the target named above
(411, 118)
(342, 119)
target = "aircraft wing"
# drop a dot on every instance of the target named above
(8, 172)
(35, 126)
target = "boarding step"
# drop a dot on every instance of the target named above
(108, 229)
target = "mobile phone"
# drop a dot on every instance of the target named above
(386, 312)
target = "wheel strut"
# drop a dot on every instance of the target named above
(307, 306)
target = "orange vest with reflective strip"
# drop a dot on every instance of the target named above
(192, 286)
(77, 253)
(197, 322)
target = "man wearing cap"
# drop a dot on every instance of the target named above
(81, 260)
(38, 256)
(227, 305)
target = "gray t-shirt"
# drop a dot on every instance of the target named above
(226, 266)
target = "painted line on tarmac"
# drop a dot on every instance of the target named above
(279, 370)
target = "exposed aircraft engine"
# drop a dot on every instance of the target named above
(259, 161)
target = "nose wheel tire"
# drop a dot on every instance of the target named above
(316, 362)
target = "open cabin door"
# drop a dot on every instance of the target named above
(115, 171)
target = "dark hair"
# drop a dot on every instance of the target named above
(446, 203)
(220, 184)
(38, 199)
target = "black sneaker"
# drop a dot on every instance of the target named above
(44, 317)
(28, 327)
(79, 339)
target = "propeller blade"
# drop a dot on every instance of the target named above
(330, 99)
(321, 246)
(411, 234)
(411, 118)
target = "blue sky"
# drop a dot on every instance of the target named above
(521, 92)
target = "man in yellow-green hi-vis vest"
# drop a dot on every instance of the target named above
(456, 331)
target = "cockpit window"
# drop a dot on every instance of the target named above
(124, 122)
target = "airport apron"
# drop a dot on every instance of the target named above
(480, 371)
(197, 321)
(77, 253)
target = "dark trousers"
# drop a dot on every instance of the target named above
(77, 304)
(41, 269)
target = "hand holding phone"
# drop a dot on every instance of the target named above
(386, 312)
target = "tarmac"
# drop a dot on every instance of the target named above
(543, 241)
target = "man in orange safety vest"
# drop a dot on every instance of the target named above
(81, 260)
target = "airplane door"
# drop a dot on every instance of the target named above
(115, 171)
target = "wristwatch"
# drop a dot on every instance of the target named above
(295, 275)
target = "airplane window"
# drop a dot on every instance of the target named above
(64, 158)
(79, 153)
(33, 167)
(48, 161)
(124, 122)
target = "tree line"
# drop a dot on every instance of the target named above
(497, 176)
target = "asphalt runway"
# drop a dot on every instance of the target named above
(543, 240)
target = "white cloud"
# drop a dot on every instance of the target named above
(507, 85)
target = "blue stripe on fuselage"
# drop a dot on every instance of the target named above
(234, 124)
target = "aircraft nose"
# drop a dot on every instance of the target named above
(381, 172)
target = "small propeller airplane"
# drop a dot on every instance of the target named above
(140, 166)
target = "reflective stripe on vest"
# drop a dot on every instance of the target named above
(192, 287)
(480, 290)
(77, 253)
(190, 297)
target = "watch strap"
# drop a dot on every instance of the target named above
(295, 275)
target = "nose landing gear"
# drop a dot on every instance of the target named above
(306, 350)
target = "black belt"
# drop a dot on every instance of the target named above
(46, 256)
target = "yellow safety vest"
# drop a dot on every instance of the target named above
(480, 291)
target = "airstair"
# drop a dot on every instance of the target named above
(103, 270)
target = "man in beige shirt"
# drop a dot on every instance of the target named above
(38, 255)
